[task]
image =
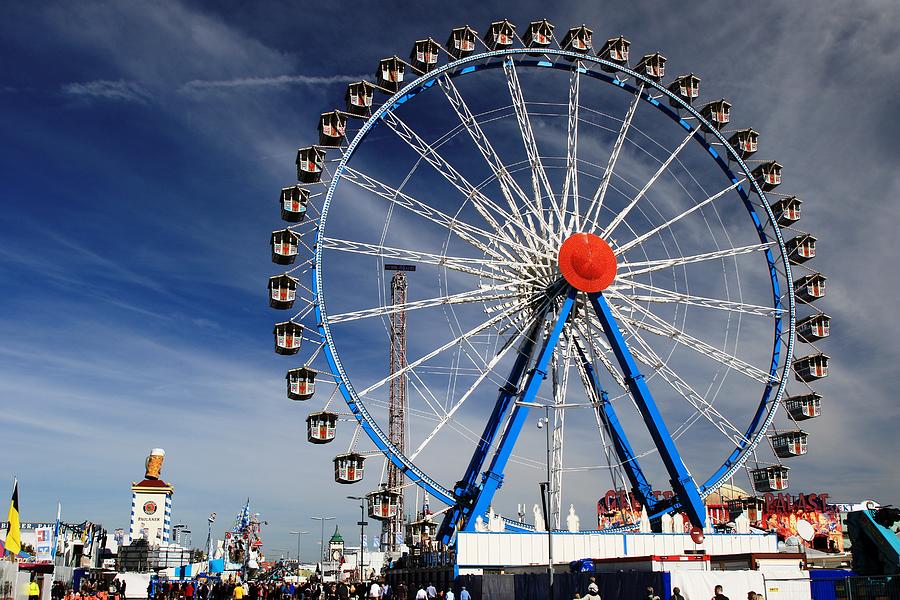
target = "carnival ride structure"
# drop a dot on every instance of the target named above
(569, 213)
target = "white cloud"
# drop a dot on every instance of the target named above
(121, 90)
(200, 85)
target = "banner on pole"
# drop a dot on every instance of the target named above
(43, 544)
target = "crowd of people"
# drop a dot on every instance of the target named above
(313, 589)
(593, 593)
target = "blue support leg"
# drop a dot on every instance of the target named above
(465, 488)
(640, 486)
(683, 483)
(493, 477)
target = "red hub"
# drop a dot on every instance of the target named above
(587, 262)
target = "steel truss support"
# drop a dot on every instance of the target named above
(640, 486)
(467, 486)
(474, 499)
(682, 481)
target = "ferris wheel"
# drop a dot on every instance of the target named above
(588, 242)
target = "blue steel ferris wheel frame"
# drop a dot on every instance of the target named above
(767, 408)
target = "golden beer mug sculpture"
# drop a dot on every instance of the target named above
(153, 464)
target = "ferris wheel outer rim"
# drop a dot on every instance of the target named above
(427, 80)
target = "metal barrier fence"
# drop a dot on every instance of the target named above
(856, 588)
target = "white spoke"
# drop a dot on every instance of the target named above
(664, 329)
(508, 185)
(479, 295)
(518, 306)
(625, 247)
(538, 174)
(650, 358)
(648, 266)
(570, 187)
(593, 212)
(662, 169)
(664, 296)
(476, 236)
(490, 268)
(489, 368)
(487, 208)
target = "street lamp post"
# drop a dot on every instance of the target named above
(362, 533)
(322, 541)
(299, 535)
(545, 486)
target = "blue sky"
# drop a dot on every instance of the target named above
(144, 147)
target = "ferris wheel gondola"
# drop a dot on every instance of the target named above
(565, 235)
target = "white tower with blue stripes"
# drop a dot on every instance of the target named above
(151, 504)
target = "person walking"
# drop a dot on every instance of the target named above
(34, 590)
(450, 595)
(421, 594)
(375, 590)
(718, 593)
(676, 594)
(432, 592)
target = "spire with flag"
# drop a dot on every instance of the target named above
(56, 530)
(14, 533)
(242, 519)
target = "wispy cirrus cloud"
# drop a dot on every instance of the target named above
(204, 85)
(120, 90)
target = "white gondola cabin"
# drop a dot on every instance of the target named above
(288, 337)
(424, 55)
(807, 406)
(349, 468)
(359, 98)
(787, 210)
(768, 175)
(461, 42)
(293, 201)
(282, 291)
(653, 66)
(615, 50)
(801, 248)
(500, 35)
(810, 288)
(810, 368)
(717, 112)
(770, 479)
(790, 443)
(383, 504)
(301, 383)
(284, 243)
(745, 142)
(578, 39)
(539, 34)
(421, 531)
(686, 87)
(321, 427)
(332, 128)
(390, 73)
(814, 327)
(310, 162)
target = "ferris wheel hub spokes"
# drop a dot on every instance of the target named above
(587, 262)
